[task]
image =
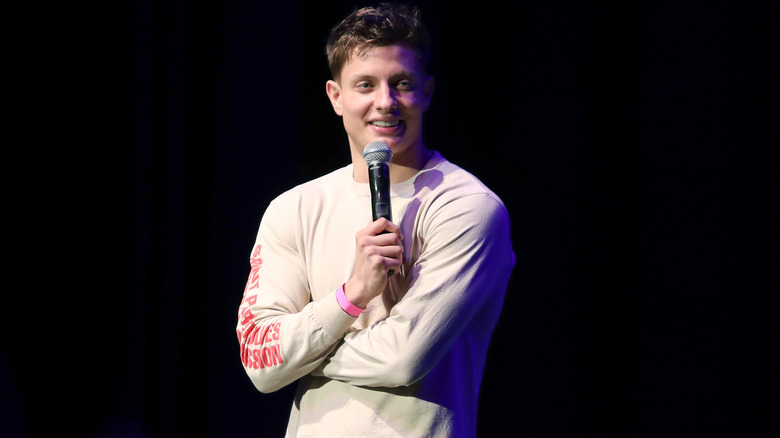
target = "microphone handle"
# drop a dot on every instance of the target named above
(379, 180)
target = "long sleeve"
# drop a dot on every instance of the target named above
(456, 282)
(283, 334)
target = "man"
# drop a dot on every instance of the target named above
(378, 353)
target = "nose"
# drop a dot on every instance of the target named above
(385, 99)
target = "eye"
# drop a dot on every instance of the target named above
(363, 86)
(404, 84)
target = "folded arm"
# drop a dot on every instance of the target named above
(463, 266)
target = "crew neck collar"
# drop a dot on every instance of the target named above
(403, 189)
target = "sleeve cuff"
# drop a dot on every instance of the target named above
(333, 319)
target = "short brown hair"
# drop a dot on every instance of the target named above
(377, 26)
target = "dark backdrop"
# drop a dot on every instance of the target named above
(634, 143)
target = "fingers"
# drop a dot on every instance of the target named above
(385, 258)
(384, 239)
(382, 226)
(378, 252)
(383, 251)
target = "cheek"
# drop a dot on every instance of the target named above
(355, 105)
(416, 101)
(352, 110)
(415, 106)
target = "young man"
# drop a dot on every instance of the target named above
(378, 355)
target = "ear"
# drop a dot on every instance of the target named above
(428, 92)
(333, 90)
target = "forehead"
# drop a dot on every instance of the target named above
(393, 59)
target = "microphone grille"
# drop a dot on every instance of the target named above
(377, 152)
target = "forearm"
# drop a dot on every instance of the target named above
(417, 334)
(278, 347)
(458, 284)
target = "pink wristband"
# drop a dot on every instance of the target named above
(346, 305)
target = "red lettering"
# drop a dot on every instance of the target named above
(254, 275)
(256, 255)
(256, 361)
(246, 332)
(246, 316)
(253, 281)
(259, 358)
(266, 362)
(250, 300)
(263, 335)
(271, 356)
(257, 336)
(268, 334)
(276, 351)
(245, 352)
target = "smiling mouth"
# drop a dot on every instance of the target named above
(383, 124)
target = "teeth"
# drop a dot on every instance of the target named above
(385, 124)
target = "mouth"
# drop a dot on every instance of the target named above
(385, 123)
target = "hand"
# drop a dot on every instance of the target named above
(378, 250)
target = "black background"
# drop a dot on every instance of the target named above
(634, 143)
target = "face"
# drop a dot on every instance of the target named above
(382, 95)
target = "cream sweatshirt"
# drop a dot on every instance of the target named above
(411, 364)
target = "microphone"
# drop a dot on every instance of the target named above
(377, 155)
